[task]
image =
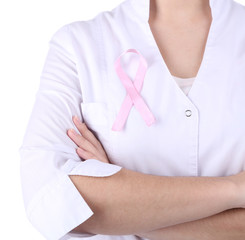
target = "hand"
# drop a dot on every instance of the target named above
(88, 145)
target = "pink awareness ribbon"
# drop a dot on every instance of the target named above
(133, 97)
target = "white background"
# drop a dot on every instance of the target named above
(26, 27)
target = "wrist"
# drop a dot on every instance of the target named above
(238, 189)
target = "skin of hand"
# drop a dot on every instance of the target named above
(88, 145)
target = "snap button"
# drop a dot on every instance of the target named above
(188, 113)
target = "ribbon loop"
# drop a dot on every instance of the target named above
(133, 96)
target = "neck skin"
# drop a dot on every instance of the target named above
(179, 10)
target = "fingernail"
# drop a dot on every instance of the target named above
(77, 119)
(72, 131)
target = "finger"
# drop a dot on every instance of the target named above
(84, 154)
(88, 155)
(81, 141)
(83, 129)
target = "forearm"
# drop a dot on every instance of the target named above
(228, 225)
(129, 202)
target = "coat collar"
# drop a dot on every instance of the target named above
(220, 10)
(133, 16)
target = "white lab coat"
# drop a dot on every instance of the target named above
(79, 78)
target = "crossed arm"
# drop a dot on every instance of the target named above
(227, 225)
(157, 207)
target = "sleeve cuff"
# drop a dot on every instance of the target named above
(90, 167)
(59, 207)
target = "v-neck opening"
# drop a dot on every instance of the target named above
(204, 61)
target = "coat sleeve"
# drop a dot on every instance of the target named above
(48, 156)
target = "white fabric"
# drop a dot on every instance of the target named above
(78, 77)
(184, 83)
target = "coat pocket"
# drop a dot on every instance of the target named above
(95, 113)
